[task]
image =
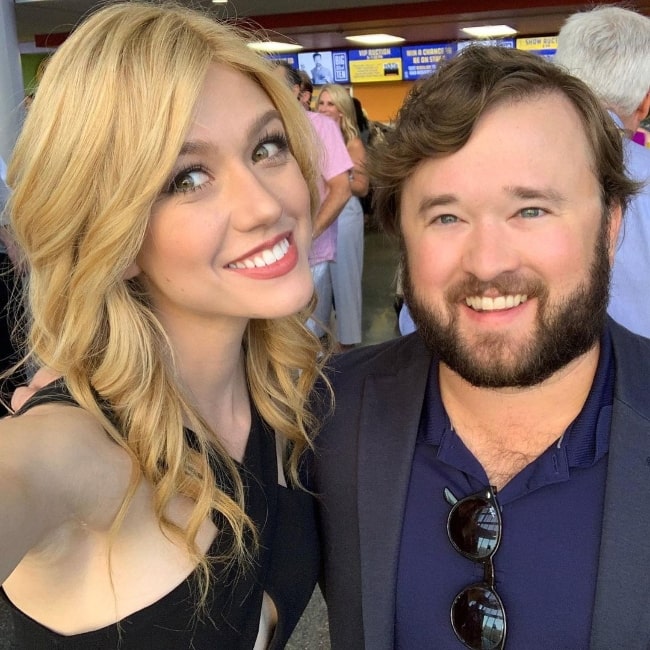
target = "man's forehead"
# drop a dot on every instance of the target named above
(552, 110)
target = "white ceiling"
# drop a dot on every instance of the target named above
(322, 24)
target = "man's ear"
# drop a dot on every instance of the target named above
(132, 270)
(614, 226)
(642, 110)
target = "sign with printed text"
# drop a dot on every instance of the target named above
(375, 64)
(545, 46)
(498, 42)
(420, 61)
(291, 59)
(325, 66)
(336, 73)
(340, 65)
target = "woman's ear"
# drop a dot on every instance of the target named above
(132, 270)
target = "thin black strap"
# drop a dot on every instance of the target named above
(57, 391)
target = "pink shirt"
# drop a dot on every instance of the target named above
(335, 160)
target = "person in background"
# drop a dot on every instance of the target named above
(363, 126)
(335, 191)
(306, 90)
(609, 49)
(405, 323)
(483, 483)
(162, 190)
(367, 132)
(346, 271)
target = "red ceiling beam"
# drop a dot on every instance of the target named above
(409, 10)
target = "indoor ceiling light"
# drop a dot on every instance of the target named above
(219, 2)
(274, 46)
(489, 31)
(375, 39)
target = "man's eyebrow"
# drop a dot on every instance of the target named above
(202, 146)
(436, 200)
(544, 193)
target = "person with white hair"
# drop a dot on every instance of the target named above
(609, 49)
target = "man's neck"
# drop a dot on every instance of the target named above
(508, 428)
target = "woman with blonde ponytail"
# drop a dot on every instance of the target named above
(347, 270)
(151, 496)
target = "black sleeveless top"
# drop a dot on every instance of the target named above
(286, 567)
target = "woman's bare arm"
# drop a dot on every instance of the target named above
(359, 181)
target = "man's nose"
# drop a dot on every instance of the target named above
(490, 250)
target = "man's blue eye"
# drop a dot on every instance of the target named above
(446, 219)
(530, 213)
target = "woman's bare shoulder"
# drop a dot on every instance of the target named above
(62, 451)
(58, 468)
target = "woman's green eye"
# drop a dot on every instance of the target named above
(189, 180)
(266, 150)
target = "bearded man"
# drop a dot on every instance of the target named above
(484, 481)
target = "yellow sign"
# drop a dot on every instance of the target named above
(376, 70)
(538, 43)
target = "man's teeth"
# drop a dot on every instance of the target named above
(263, 258)
(481, 303)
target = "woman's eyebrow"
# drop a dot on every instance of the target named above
(261, 121)
(201, 146)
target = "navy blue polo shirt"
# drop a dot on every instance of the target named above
(552, 512)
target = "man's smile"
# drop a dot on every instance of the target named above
(483, 303)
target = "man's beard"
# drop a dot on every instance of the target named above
(564, 330)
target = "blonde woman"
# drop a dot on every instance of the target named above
(346, 271)
(148, 498)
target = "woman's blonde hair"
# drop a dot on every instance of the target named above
(343, 102)
(98, 146)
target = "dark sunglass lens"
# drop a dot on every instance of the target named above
(474, 527)
(478, 618)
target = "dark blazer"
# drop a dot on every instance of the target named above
(363, 464)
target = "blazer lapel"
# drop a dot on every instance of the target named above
(621, 611)
(390, 415)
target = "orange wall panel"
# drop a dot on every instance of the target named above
(382, 100)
